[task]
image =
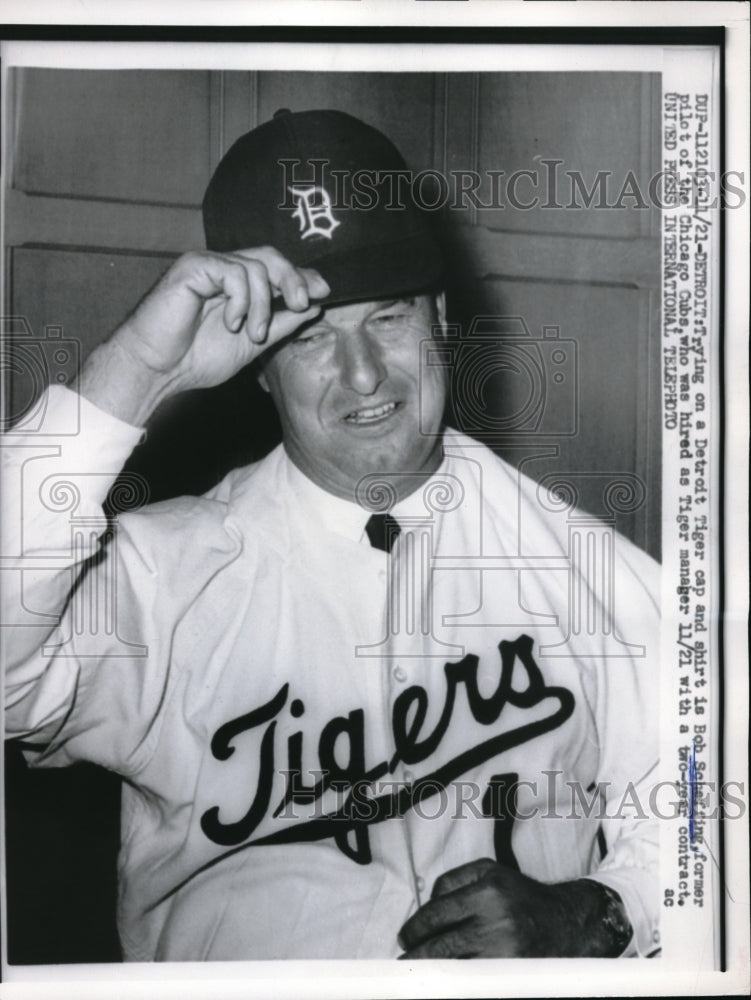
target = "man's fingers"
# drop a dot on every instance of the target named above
(434, 917)
(259, 313)
(455, 923)
(235, 287)
(284, 322)
(318, 288)
(244, 285)
(296, 285)
(457, 878)
(249, 281)
(458, 942)
(451, 902)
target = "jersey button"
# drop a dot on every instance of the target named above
(409, 776)
(420, 883)
(400, 674)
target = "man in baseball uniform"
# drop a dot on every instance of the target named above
(369, 696)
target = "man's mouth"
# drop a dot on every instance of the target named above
(371, 414)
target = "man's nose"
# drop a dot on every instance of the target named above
(360, 362)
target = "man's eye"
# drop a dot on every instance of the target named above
(386, 318)
(312, 337)
(393, 315)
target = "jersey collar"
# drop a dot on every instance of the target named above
(343, 517)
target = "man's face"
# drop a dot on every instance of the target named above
(350, 394)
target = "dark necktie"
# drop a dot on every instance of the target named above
(382, 531)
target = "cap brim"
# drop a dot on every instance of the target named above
(373, 273)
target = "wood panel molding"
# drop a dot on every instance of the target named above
(631, 263)
(39, 219)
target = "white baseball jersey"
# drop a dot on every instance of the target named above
(311, 730)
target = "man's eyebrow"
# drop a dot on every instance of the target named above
(311, 324)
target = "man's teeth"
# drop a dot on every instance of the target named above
(370, 413)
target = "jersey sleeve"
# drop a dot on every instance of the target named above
(93, 607)
(54, 482)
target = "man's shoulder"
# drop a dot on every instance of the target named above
(201, 517)
(499, 480)
(540, 509)
(256, 477)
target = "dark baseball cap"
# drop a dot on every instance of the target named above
(323, 188)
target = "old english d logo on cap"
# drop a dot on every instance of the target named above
(313, 211)
(284, 185)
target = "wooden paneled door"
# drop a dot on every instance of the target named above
(106, 172)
